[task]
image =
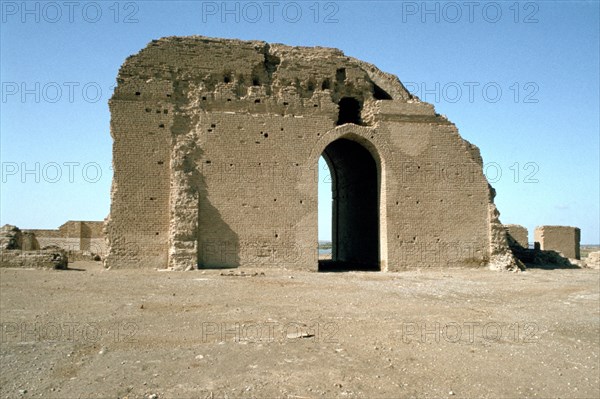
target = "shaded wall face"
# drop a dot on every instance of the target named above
(517, 235)
(355, 208)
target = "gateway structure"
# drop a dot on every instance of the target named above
(216, 147)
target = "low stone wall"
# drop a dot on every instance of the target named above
(43, 259)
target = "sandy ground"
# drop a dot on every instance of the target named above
(286, 334)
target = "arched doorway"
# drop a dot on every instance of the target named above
(355, 207)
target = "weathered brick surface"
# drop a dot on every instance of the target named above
(563, 239)
(41, 259)
(517, 234)
(215, 154)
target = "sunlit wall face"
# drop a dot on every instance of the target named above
(324, 201)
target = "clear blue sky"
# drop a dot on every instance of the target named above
(59, 61)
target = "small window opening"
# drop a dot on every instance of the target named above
(340, 75)
(349, 111)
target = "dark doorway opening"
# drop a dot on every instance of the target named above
(355, 208)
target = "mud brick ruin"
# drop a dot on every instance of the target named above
(73, 235)
(563, 239)
(215, 157)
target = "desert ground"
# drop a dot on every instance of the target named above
(245, 333)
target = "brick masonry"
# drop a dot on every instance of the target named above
(517, 234)
(563, 239)
(74, 235)
(215, 155)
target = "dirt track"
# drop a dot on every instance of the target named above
(450, 333)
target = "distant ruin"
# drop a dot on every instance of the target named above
(215, 154)
(562, 239)
(74, 235)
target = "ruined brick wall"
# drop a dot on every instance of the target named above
(518, 234)
(74, 236)
(215, 154)
(563, 239)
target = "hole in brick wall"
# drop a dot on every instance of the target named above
(281, 129)
(286, 103)
(158, 111)
(315, 105)
(274, 199)
(266, 135)
(255, 81)
(137, 93)
(229, 99)
(162, 125)
(301, 202)
(208, 161)
(415, 238)
(276, 235)
(257, 142)
(257, 101)
(397, 203)
(398, 236)
(226, 78)
(160, 162)
(203, 98)
(168, 95)
(209, 130)
(148, 110)
(310, 86)
(349, 111)
(152, 198)
(326, 85)
(213, 125)
(340, 75)
(156, 233)
(417, 202)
